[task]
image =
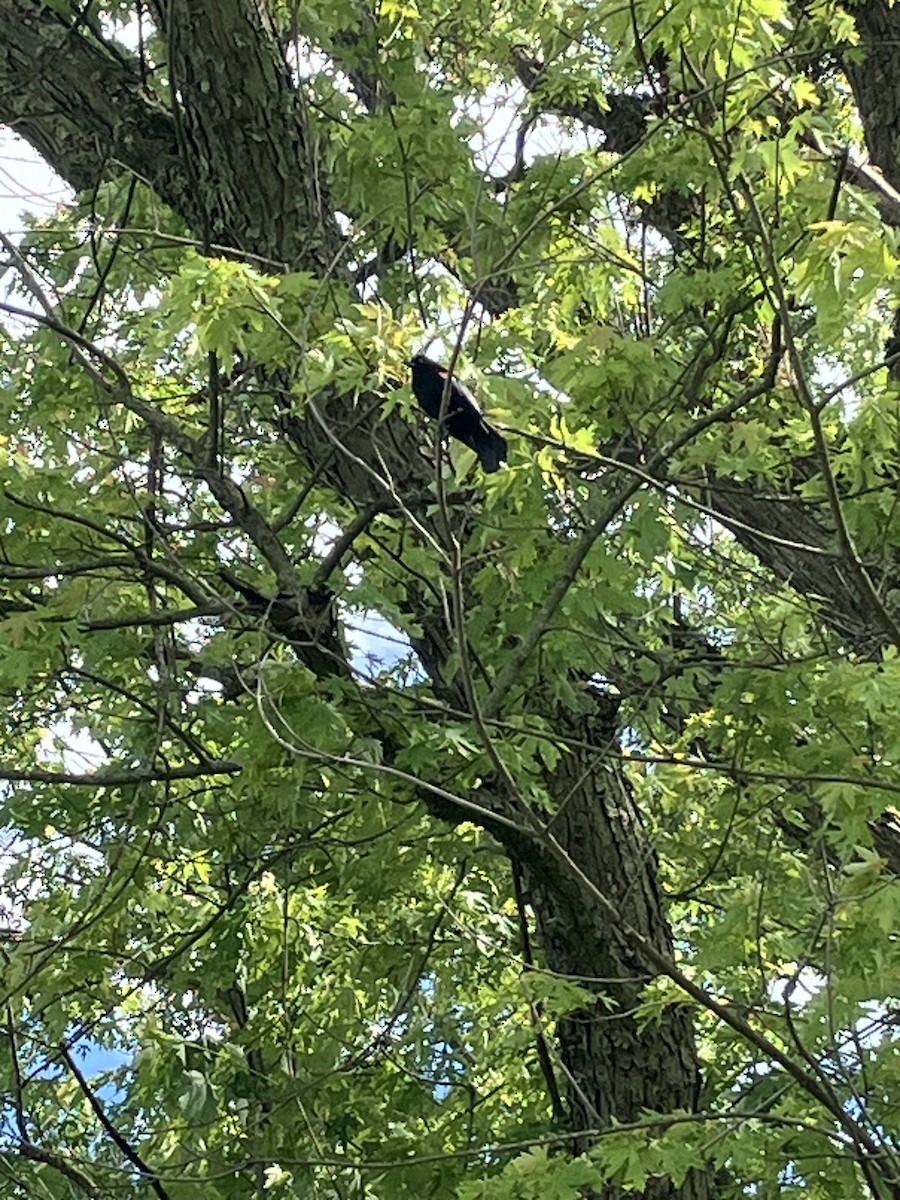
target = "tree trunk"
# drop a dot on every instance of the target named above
(615, 1069)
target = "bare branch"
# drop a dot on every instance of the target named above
(111, 777)
(123, 1144)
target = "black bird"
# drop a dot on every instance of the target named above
(463, 417)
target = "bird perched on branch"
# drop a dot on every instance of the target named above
(462, 416)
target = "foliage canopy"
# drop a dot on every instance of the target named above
(376, 828)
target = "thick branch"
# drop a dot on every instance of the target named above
(874, 75)
(621, 118)
(85, 111)
(246, 141)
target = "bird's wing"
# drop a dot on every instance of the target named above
(463, 390)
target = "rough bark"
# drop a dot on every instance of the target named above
(615, 1070)
(797, 543)
(873, 75)
(611, 1068)
(247, 148)
(84, 109)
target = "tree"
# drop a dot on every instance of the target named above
(404, 831)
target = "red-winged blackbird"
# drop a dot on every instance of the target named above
(462, 416)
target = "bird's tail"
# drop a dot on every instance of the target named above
(491, 450)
